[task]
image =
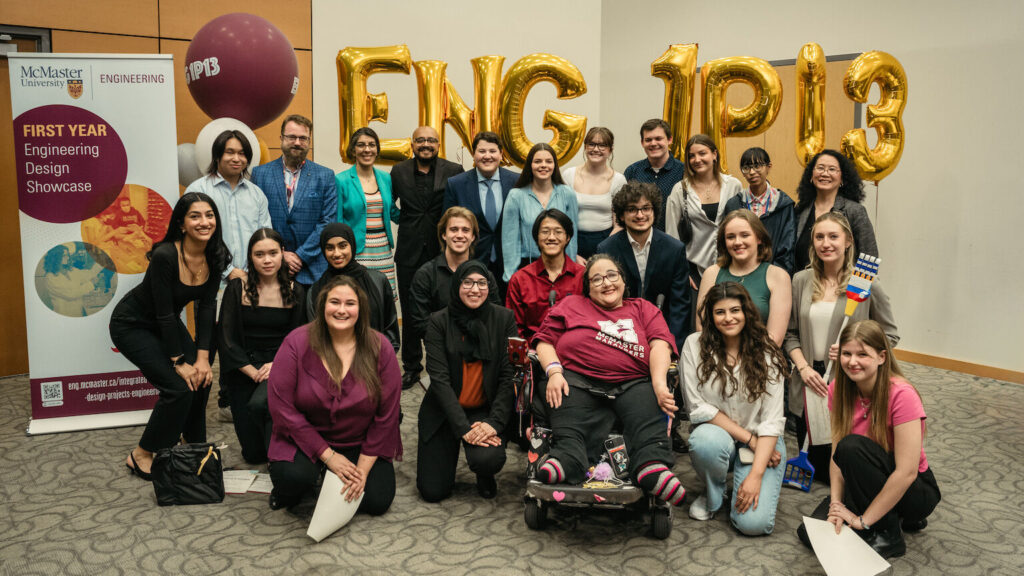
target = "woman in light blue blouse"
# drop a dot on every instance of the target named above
(540, 187)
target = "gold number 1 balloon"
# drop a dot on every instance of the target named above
(810, 102)
(678, 68)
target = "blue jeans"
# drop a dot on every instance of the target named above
(713, 452)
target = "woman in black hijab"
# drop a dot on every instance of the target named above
(470, 398)
(337, 244)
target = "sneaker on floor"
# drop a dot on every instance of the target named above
(699, 509)
(224, 414)
(486, 486)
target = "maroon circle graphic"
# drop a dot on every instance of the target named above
(71, 164)
(243, 67)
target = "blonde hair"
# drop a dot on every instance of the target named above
(818, 282)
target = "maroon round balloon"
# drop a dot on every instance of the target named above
(241, 66)
(70, 163)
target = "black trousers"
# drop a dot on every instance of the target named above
(866, 467)
(252, 427)
(179, 412)
(293, 479)
(583, 421)
(437, 458)
(821, 455)
(412, 343)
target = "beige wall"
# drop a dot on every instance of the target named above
(947, 218)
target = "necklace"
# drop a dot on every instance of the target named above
(194, 273)
(864, 403)
(706, 194)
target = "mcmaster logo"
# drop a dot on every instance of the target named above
(50, 73)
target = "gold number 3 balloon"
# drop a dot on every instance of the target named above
(886, 117)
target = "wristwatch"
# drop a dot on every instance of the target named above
(863, 524)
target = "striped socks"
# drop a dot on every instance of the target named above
(657, 479)
(551, 472)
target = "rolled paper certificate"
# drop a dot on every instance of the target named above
(332, 511)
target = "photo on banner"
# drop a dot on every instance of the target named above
(95, 151)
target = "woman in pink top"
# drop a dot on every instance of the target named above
(880, 477)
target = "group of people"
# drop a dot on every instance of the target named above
(608, 276)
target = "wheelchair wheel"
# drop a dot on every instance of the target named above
(535, 514)
(661, 522)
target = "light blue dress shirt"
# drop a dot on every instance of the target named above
(242, 211)
(521, 210)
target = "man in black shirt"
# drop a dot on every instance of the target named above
(418, 186)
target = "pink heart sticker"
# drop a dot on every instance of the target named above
(531, 456)
(558, 495)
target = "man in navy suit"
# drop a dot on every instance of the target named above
(655, 262)
(655, 266)
(302, 198)
(483, 191)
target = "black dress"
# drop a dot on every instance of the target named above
(251, 335)
(146, 328)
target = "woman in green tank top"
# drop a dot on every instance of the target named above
(744, 256)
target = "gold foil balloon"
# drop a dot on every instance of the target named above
(439, 103)
(264, 151)
(810, 102)
(886, 117)
(720, 121)
(568, 129)
(678, 68)
(357, 107)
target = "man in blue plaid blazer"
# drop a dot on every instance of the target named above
(302, 198)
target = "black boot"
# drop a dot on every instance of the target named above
(820, 513)
(888, 538)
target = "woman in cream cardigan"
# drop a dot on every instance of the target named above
(819, 305)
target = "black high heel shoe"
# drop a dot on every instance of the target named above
(134, 468)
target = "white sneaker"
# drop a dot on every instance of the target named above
(699, 509)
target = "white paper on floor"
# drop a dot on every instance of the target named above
(843, 554)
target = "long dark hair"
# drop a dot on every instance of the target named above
(221, 143)
(526, 176)
(364, 361)
(755, 345)
(852, 187)
(253, 277)
(218, 257)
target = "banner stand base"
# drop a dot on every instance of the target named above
(87, 422)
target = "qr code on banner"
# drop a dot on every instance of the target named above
(52, 393)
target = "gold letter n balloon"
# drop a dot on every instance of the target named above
(886, 117)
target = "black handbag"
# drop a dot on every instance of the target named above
(685, 227)
(188, 474)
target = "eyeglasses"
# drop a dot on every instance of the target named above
(366, 146)
(597, 145)
(422, 140)
(293, 138)
(822, 169)
(597, 279)
(556, 232)
(468, 284)
(751, 168)
(633, 210)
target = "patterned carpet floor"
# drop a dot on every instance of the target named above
(68, 506)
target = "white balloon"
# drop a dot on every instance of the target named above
(188, 169)
(209, 133)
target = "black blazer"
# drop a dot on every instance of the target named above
(441, 402)
(667, 273)
(419, 214)
(463, 190)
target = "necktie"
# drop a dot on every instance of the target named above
(491, 205)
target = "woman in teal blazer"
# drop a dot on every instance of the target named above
(364, 203)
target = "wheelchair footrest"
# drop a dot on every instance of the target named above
(575, 494)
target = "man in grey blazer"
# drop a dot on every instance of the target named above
(417, 196)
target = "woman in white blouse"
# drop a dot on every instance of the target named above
(734, 376)
(595, 182)
(697, 204)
